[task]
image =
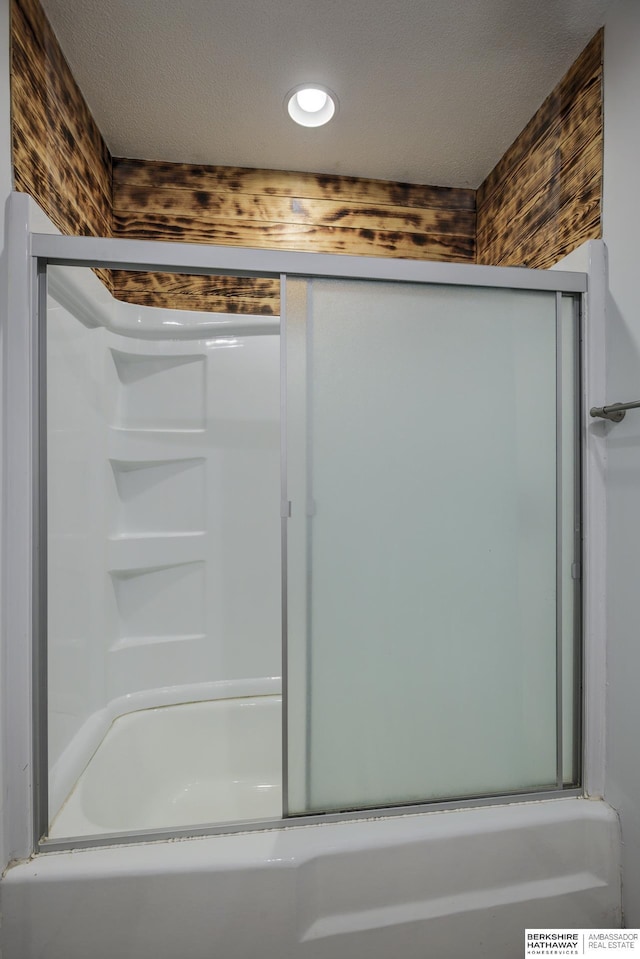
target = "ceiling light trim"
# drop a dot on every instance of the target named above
(311, 118)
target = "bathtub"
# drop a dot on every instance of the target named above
(456, 884)
(443, 885)
(202, 762)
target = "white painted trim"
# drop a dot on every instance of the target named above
(17, 508)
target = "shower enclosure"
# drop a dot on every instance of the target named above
(298, 570)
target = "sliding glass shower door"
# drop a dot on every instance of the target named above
(430, 518)
(431, 537)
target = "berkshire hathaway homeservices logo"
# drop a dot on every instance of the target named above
(580, 942)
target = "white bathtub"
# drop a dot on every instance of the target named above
(441, 885)
(461, 884)
(205, 762)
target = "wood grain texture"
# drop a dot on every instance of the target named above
(252, 210)
(295, 236)
(271, 209)
(217, 294)
(543, 197)
(252, 182)
(59, 155)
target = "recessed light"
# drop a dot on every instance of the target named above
(311, 105)
(311, 99)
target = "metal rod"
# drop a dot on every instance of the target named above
(615, 412)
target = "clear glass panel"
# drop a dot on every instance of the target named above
(422, 580)
(164, 625)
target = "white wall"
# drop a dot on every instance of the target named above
(5, 189)
(621, 211)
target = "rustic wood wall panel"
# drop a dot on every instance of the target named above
(217, 294)
(286, 211)
(543, 198)
(59, 155)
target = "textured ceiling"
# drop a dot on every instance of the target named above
(430, 91)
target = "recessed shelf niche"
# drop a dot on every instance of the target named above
(157, 602)
(159, 392)
(153, 497)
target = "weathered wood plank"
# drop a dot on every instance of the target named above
(570, 133)
(57, 190)
(569, 224)
(528, 196)
(527, 184)
(153, 175)
(69, 218)
(69, 215)
(255, 209)
(59, 77)
(543, 197)
(294, 236)
(561, 101)
(218, 294)
(209, 304)
(186, 283)
(571, 195)
(291, 211)
(55, 132)
(59, 154)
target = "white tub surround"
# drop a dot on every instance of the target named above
(92, 304)
(457, 885)
(163, 509)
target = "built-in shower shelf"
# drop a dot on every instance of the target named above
(154, 445)
(159, 392)
(154, 550)
(158, 497)
(143, 537)
(155, 430)
(159, 598)
(129, 572)
(129, 642)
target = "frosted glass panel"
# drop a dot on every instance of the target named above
(422, 646)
